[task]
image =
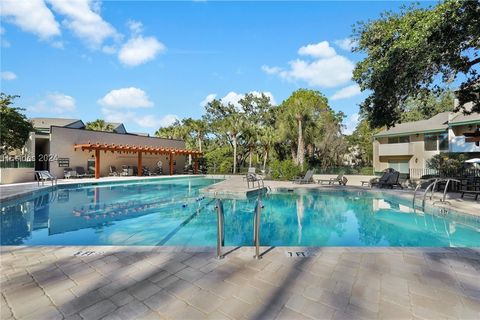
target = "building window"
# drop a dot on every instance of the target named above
(430, 142)
(403, 139)
(443, 141)
(401, 166)
(435, 142)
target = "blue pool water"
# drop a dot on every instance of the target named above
(171, 212)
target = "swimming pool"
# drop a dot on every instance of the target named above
(171, 212)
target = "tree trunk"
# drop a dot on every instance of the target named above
(293, 151)
(199, 144)
(250, 158)
(265, 161)
(235, 154)
(300, 145)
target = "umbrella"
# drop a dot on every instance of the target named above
(474, 160)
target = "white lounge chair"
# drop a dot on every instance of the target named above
(45, 176)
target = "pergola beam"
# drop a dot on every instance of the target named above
(97, 147)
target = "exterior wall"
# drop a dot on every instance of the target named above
(62, 141)
(417, 155)
(16, 175)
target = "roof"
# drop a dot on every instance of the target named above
(462, 118)
(436, 123)
(59, 122)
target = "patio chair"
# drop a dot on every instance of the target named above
(81, 173)
(308, 178)
(113, 171)
(392, 181)
(69, 173)
(125, 171)
(252, 177)
(338, 179)
(145, 171)
(379, 181)
(45, 176)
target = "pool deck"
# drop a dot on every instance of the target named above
(287, 283)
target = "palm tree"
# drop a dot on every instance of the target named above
(99, 125)
(233, 125)
(267, 140)
(251, 138)
(199, 128)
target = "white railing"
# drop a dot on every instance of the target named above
(458, 144)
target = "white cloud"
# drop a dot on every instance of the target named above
(233, 97)
(271, 70)
(208, 98)
(8, 75)
(326, 70)
(126, 98)
(319, 50)
(136, 27)
(139, 50)
(346, 44)
(346, 92)
(83, 18)
(31, 16)
(55, 103)
(151, 121)
(351, 123)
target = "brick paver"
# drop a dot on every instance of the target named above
(185, 283)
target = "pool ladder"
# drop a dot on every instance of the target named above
(221, 228)
(432, 185)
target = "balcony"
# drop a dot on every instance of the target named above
(458, 144)
(394, 149)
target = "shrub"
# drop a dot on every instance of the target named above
(285, 170)
(447, 163)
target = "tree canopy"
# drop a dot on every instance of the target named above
(99, 125)
(415, 51)
(14, 126)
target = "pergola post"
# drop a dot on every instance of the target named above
(97, 164)
(195, 165)
(139, 164)
(171, 163)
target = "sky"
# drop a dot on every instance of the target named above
(146, 64)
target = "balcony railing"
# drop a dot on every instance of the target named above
(458, 144)
(394, 149)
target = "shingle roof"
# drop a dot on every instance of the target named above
(435, 123)
(48, 122)
(465, 118)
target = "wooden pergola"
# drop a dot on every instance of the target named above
(139, 150)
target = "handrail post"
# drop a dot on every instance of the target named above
(256, 229)
(220, 228)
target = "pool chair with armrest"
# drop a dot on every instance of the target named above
(392, 181)
(82, 173)
(338, 179)
(113, 171)
(45, 176)
(69, 173)
(252, 178)
(308, 178)
(375, 182)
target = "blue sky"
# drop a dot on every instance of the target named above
(147, 63)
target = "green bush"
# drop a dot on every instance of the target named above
(285, 170)
(219, 160)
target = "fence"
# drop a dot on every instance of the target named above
(426, 172)
(17, 164)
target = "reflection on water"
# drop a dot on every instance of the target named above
(172, 213)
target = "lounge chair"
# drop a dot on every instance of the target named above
(391, 181)
(252, 177)
(379, 181)
(472, 192)
(126, 171)
(45, 176)
(82, 173)
(69, 173)
(308, 178)
(113, 171)
(338, 179)
(145, 171)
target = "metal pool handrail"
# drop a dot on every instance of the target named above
(220, 228)
(432, 186)
(256, 228)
